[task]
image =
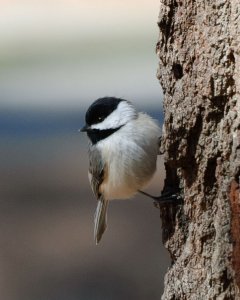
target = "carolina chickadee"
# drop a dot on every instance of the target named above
(123, 150)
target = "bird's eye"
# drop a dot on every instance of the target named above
(100, 119)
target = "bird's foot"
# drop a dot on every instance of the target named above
(160, 152)
(169, 197)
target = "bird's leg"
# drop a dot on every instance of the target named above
(171, 196)
(159, 146)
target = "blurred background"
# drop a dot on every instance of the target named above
(56, 57)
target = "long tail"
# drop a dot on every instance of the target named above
(100, 219)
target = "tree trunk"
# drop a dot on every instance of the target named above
(199, 71)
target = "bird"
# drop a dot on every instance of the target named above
(123, 150)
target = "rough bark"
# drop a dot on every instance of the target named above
(199, 71)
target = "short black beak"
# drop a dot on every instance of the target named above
(84, 128)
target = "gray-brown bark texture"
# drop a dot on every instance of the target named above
(199, 71)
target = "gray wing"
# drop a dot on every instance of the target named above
(96, 176)
(96, 170)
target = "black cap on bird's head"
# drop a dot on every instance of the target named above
(107, 115)
(98, 125)
(99, 110)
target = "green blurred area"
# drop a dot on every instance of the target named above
(74, 51)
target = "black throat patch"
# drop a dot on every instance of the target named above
(96, 135)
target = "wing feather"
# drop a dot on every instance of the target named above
(97, 173)
(96, 170)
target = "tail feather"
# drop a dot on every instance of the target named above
(100, 220)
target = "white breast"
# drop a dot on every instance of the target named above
(131, 155)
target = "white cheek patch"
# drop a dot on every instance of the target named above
(120, 116)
